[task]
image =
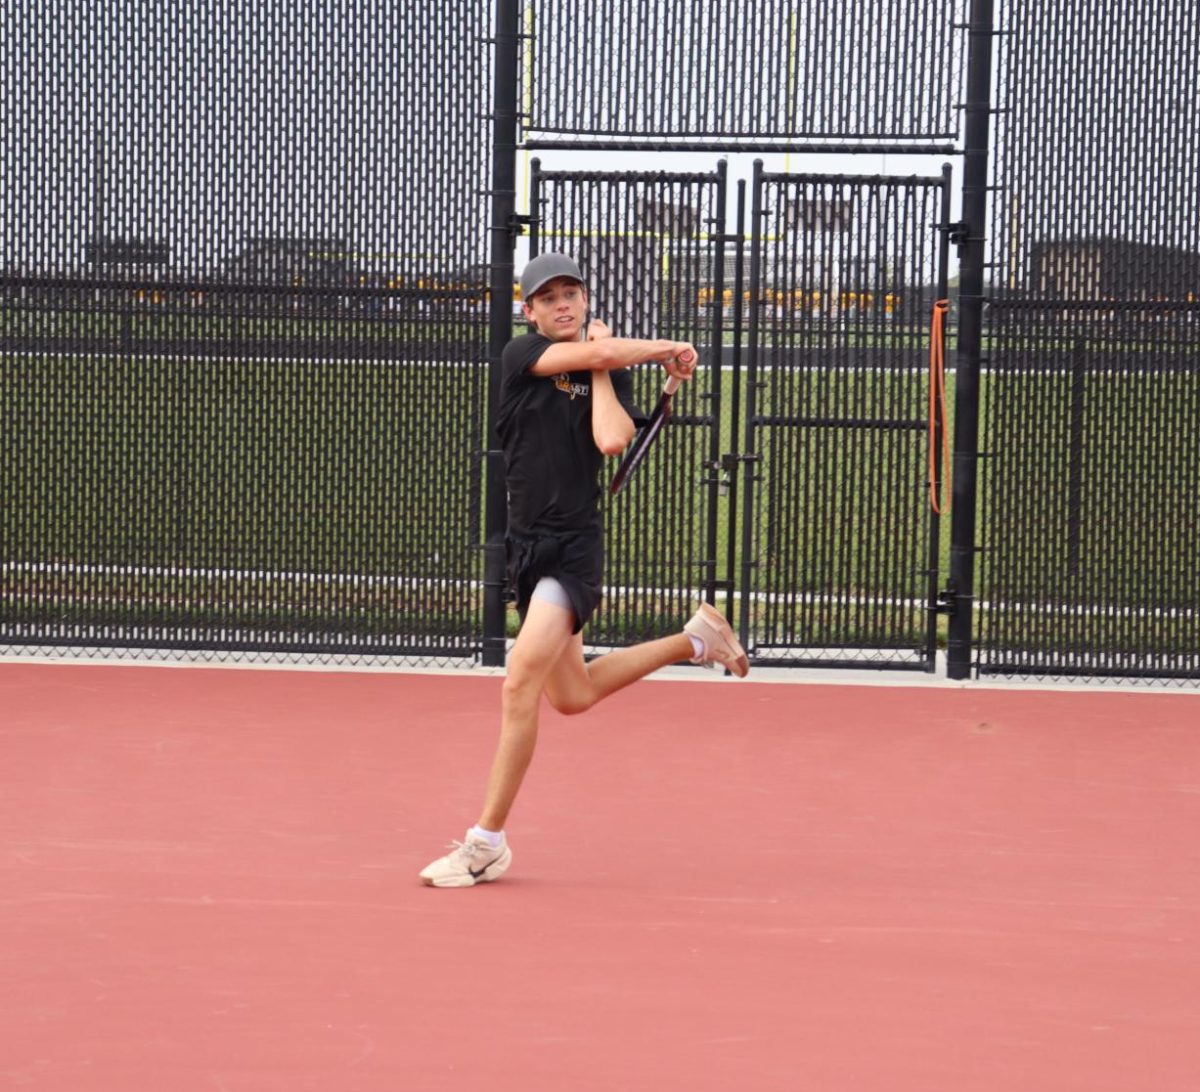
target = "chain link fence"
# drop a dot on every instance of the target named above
(256, 265)
(1090, 488)
(243, 328)
(758, 74)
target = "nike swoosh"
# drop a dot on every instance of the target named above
(476, 874)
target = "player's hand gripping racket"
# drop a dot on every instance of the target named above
(643, 440)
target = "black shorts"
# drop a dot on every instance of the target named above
(575, 559)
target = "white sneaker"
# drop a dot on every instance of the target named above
(720, 645)
(473, 861)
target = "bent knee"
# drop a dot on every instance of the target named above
(572, 703)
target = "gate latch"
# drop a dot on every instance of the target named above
(517, 223)
(946, 601)
(956, 231)
(726, 466)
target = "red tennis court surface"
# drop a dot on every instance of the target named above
(209, 883)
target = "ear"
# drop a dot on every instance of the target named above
(528, 314)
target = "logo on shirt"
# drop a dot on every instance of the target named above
(563, 382)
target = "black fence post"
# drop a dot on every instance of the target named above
(716, 329)
(749, 558)
(503, 239)
(736, 438)
(970, 339)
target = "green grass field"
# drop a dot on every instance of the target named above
(254, 484)
(1089, 501)
(347, 497)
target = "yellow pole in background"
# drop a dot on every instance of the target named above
(526, 109)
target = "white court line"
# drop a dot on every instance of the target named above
(759, 675)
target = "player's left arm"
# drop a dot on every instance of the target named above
(612, 427)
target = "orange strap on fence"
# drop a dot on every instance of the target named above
(937, 407)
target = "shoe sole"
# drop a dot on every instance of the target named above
(741, 662)
(493, 872)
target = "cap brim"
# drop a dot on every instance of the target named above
(529, 293)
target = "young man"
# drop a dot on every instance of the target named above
(565, 404)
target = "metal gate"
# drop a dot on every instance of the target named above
(840, 548)
(830, 552)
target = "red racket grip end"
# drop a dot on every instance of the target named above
(673, 383)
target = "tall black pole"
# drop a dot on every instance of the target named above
(970, 339)
(505, 98)
(749, 560)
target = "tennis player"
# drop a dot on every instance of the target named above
(566, 403)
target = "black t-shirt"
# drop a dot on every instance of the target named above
(545, 428)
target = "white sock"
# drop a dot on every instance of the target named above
(494, 838)
(697, 646)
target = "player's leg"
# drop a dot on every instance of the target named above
(483, 855)
(543, 638)
(575, 684)
(548, 657)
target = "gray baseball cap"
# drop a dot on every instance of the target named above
(543, 269)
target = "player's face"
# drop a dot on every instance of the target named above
(558, 309)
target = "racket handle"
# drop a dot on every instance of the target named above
(686, 357)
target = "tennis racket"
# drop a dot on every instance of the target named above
(643, 440)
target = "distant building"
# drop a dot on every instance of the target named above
(810, 214)
(1113, 269)
(267, 259)
(665, 218)
(127, 253)
(638, 274)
